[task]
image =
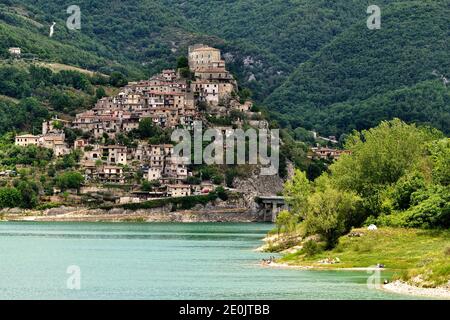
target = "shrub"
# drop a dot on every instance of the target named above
(10, 198)
(221, 193)
(330, 213)
(311, 248)
(70, 180)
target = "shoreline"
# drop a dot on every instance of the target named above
(397, 286)
(278, 265)
(81, 214)
(402, 287)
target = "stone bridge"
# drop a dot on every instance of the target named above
(272, 205)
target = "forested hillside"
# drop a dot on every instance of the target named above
(311, 63)
(364, 76)
(263, 41)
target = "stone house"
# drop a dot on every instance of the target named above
(201, 55)
(27, 139)
(178, 190)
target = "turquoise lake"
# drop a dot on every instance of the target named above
(158, 261)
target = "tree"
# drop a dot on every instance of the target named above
(193, 180)
(146, 128)
(70, 180)
(182, 62)
(245, 94)
(29, 192)
(284, 219)
(100, 93)
(221, 193)
(440, 156)
(296, 192)
(57, 125)
(217, 179)
(10, 198)
(117, 79)
(330, 213)
(150, 185)
(380, 157)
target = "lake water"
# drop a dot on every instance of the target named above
(157, 261)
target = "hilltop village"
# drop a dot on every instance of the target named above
(166, 101)
(109, 152)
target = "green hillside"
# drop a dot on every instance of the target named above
(426, 103)
(361, 63)
(312, 63)
(263, 41)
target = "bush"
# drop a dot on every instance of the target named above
(221, 193)
(29, 191)
(70, 180)
(330, 213)
(311, 248)
(193, 180)
(430, 209)
(10, 198)
(217, 179)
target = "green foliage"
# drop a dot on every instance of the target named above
(396, 175)
(440, 156)
(12, 155)
(27, 115)
(404, 189)
(330, 213)
(365, 76)
(230, 174)
(311, 248)
(150, 185)
(284, 221)
(217, 179)
(39, 87)
(117, 79)
(69, 180)
(66, 162)
(430, 209)
(193, 180)
(100, 93)
(296, 192)
(146, 128)
(380, 157)
(154, 134)
(221, 193)
(182, 62)
(29, 191)
(10, 198)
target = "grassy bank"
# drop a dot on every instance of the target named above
(420, 257)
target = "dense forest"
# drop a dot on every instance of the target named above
(365, 76)
(310, 64)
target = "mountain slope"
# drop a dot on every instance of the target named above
(426, 103)
(413, 42)
(262, 40)
(301, 58)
